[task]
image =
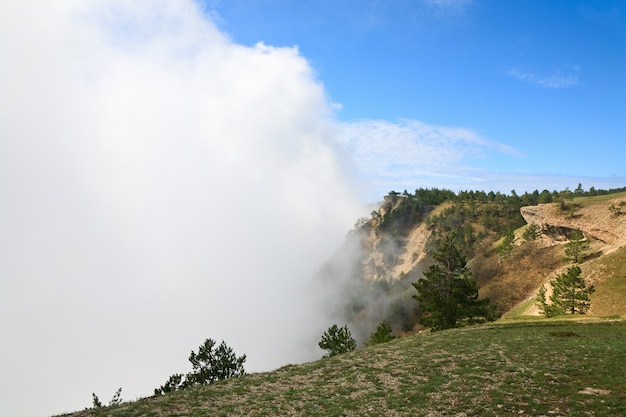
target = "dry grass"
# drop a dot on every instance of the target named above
(528, 369)
(510, 280)
(608, 274)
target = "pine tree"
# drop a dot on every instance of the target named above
(337, 340)
(382, 334)
(447, 294)
(174, 383)
(577, 247)
(508, 244)
(548, 310)
(571, 292)
(531, 232)
(96, 401)
(212, 364)
(209, 365)
(117, 398)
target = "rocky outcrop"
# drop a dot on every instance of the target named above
(596, 222)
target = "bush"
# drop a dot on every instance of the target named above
(337, 340)
(507, 245)
(531, 232)
(117, 399)
(383, 334)
(209, 365)
(617, 210)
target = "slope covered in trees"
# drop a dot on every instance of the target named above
(509, 257)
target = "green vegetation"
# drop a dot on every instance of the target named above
(337, 340)
(618, 209)
(209, 365)
(570, 294)
(117, 399)
(475, 217)
(610, 296)
(447, 294)
(548, 367)
(507, 245)
(577, 247)
(484, 225)
(548, 310)
(96, 401)
(401, 217)
(531, 232)
(383, 334)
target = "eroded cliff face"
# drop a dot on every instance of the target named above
(389, 257)
(605, 229)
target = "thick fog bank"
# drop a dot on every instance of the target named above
(160, 185)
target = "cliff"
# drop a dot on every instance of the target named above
(594, 218)
(394, 244)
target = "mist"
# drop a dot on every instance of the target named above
(160, 185)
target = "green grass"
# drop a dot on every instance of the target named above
(610, 295)
(534, 368)
(518, 312)
(590, 201)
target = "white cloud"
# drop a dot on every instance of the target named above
(409, 152)
(159, 185)
(556, 79)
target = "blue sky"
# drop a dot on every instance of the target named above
(545, 78)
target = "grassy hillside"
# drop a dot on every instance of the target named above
(550, 368)
(610, 295)
(521, 365)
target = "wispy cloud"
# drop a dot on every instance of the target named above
(407, 154)
(410, 152)
(556, 79)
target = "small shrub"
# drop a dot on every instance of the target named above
(507, 245)
(382, 334)
(617, 210)
(95, 401)
(337, 340)
(117, 399)
(532, 232)
(210, 364)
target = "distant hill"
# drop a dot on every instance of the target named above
(387, 252)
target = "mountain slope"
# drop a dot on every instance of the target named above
(546, 368)
(606, 266)
(393, 250)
